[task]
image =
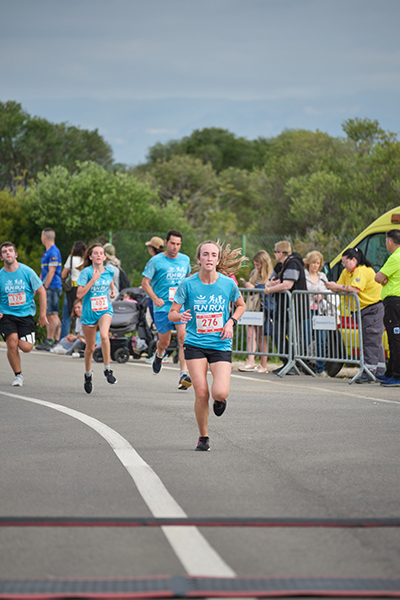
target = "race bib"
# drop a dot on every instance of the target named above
(99, 303)
(171, 293)
(16, 299)
(210, 323)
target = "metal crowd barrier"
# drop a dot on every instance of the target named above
(327, 328)
(302, 328)
(264, 329)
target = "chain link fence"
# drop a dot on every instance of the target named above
(132, 251)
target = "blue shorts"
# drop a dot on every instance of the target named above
(53, 300)
(162, 323)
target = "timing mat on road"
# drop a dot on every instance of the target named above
(198, 587)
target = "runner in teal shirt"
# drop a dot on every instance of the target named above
(18, 284)
(207, 297)
(93, 286)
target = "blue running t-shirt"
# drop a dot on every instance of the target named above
(52, 258)
(17, 291)
(209, 307)
(165, 275)
(95, 303)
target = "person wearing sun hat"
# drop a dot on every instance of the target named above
(155, 245)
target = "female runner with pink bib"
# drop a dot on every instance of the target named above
(206, 298)
(94, 282)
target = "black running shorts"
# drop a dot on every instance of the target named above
(24, 326)
(210, 354)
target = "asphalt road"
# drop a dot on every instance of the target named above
(297, 447)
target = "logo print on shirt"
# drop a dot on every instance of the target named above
(213, 303)
(174, 273)
(18, 285)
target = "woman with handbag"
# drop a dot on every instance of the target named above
(70, 272)
(255, 335)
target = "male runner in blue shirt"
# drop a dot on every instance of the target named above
(18, 284)
(161, 278)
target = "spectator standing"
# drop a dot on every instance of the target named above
(291, 277)
(74, 260)
(358, 277)
(114, 263)
(154, 246)
(389, 278)
(255, 335)
(18, 284)
(316, 281)
(51, 278)
(161, 278)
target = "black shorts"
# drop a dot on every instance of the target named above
(24, 326)
(210, 354)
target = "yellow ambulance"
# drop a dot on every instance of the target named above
(372, 242)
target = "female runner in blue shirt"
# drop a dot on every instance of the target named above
(94, 282)
(206, 297)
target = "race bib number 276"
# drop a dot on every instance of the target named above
(209, 323)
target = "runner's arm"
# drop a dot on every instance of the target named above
(240, 307)
(149, 291)
(82, 290)
(175, 316)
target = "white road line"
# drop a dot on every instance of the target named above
(190, 546)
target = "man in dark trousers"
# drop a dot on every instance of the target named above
(389, 278)
(291, 277)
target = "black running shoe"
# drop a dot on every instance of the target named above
(185, 382)
(88, 385)
(157, 363)
(203, 445)
(108, 374)
(219, 407)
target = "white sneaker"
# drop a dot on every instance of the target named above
(18, 381)
(75, 355)
(58, 349)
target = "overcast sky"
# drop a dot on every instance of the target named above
(143, 71)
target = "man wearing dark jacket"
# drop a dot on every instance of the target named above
(290, 277)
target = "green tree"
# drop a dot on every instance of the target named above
(365, 133)
(187, 180)
(29, 145)
(219, 147)
(18, 228)
(92, 201)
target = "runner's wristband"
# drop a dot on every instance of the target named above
(234, 321)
